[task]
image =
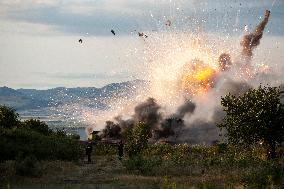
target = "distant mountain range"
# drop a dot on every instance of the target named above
(27, 99)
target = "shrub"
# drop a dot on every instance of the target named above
(28, 166)
(265, 176)
(27, 142)
(104, 149)
(142, 164)
(38, 126)
(137, 139)
(8, 117)
(255, 117)
(168, 184)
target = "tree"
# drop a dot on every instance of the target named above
(255, 117)
(8, 117)
(38, 126)
(137, 139)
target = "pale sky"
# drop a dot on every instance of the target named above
(39, 38)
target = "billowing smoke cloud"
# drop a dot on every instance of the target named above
(205, 131)
(111, 130)
(200, 131)
(89, 131)
(174, 124)
(186, 124)
(148, 112)
(187, 107)
(234, 87)
(252, 40)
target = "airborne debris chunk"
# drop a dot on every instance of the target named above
(141, 34)
(168, 23)
(224, 61)
(252, 40)
(112, 31)
(80, 41)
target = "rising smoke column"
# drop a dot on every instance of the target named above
(187, 107)
(198, 128)
(174, 124)
(252, 40)
(148, 112)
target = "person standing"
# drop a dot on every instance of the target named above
(120, 150)
(89, 149)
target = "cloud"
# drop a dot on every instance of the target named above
(98, 17)
(79, 76)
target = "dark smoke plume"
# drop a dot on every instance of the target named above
(187, 107)
(148, 112)
(169, 127)
(111, 130)
(252, 40)
(173, 126)
(234, 87)
(200, 131)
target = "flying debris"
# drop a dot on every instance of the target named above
(224, 61)
(246, 28)
(168, 23)
(80, 41)
(112, 31)
(252, 40)
(200, 79)
(141, 34)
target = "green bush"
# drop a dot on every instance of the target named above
(8, 117)
(100, 149)
(167, 183)
(34, 137)
(27, 142)
(144, 165)
(28, 166)
(271, 174)
(137, 139)
(38, 126)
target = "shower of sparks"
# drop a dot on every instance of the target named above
(180, 61)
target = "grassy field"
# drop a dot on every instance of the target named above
(163, 166)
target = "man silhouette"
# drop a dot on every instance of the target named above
(89, 149)
(120, 150)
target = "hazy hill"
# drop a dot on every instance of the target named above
(25, 99)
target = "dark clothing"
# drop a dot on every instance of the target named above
(89, 149)
(120, 150)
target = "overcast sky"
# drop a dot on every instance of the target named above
(39, 38)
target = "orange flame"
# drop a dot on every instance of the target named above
(197, 78)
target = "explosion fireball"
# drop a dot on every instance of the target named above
(197, 77)
(186, 73)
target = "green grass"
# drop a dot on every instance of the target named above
(166, 167)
